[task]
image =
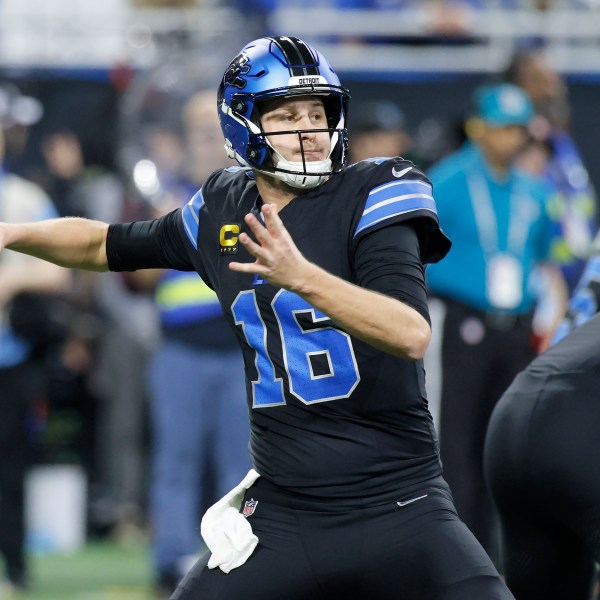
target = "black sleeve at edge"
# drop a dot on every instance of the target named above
(155, 244)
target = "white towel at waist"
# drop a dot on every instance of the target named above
(226, 532)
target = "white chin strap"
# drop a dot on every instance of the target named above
(300, 180)
(296, 180)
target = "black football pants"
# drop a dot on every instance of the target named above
(417, 551)
(542, 463)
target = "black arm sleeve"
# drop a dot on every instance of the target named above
(156, 244)
(389, 261)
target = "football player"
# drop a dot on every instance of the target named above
(319, 269)
(541, 458)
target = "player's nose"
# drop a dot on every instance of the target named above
(305, 123)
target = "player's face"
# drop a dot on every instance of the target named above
(302, 115)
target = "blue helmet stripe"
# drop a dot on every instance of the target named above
(191, 216)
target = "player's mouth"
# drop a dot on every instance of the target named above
(312, 155)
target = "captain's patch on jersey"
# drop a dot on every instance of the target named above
(228, 238)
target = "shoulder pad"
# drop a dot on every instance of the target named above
(191, 217)
(397, 188)
(225, 177)
(398, 191)
(210, 198)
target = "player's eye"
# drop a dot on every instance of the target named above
(283, 117)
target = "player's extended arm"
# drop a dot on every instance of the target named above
(68, 242)
(379, 320)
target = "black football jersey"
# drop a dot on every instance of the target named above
(331, 416)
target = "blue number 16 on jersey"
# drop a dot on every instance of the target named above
(300, 347)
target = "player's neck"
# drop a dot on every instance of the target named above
(273, 191)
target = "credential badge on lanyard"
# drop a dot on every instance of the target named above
(504, 272)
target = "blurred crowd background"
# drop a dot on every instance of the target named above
(104, 107)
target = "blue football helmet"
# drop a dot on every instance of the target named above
(281, 67)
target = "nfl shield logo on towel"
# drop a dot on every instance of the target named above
(249, 507)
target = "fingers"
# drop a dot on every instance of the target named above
(261, 234)
(266, 241)
(272, 219)
(273, 227)
(271, 245)
(250, 245)
(253, 267)
(257, 228)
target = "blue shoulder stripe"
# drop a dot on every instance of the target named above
(191, 215)
(396, 198)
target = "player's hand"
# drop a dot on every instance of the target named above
(278, 260)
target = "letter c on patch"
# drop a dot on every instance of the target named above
(228, 235)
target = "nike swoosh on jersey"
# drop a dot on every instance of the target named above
(399, 174)
(405, 502)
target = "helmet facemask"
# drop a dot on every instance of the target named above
(240, 110)
(304, 173)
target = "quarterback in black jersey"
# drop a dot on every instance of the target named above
(319, 269)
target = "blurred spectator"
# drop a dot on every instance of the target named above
(195, 378)
(20, 112)
(497, 218)
(554, 154)
(377, 129)
(449, 19)
(78, 189)
(585, 301)
(20, 377)
(112, 358)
